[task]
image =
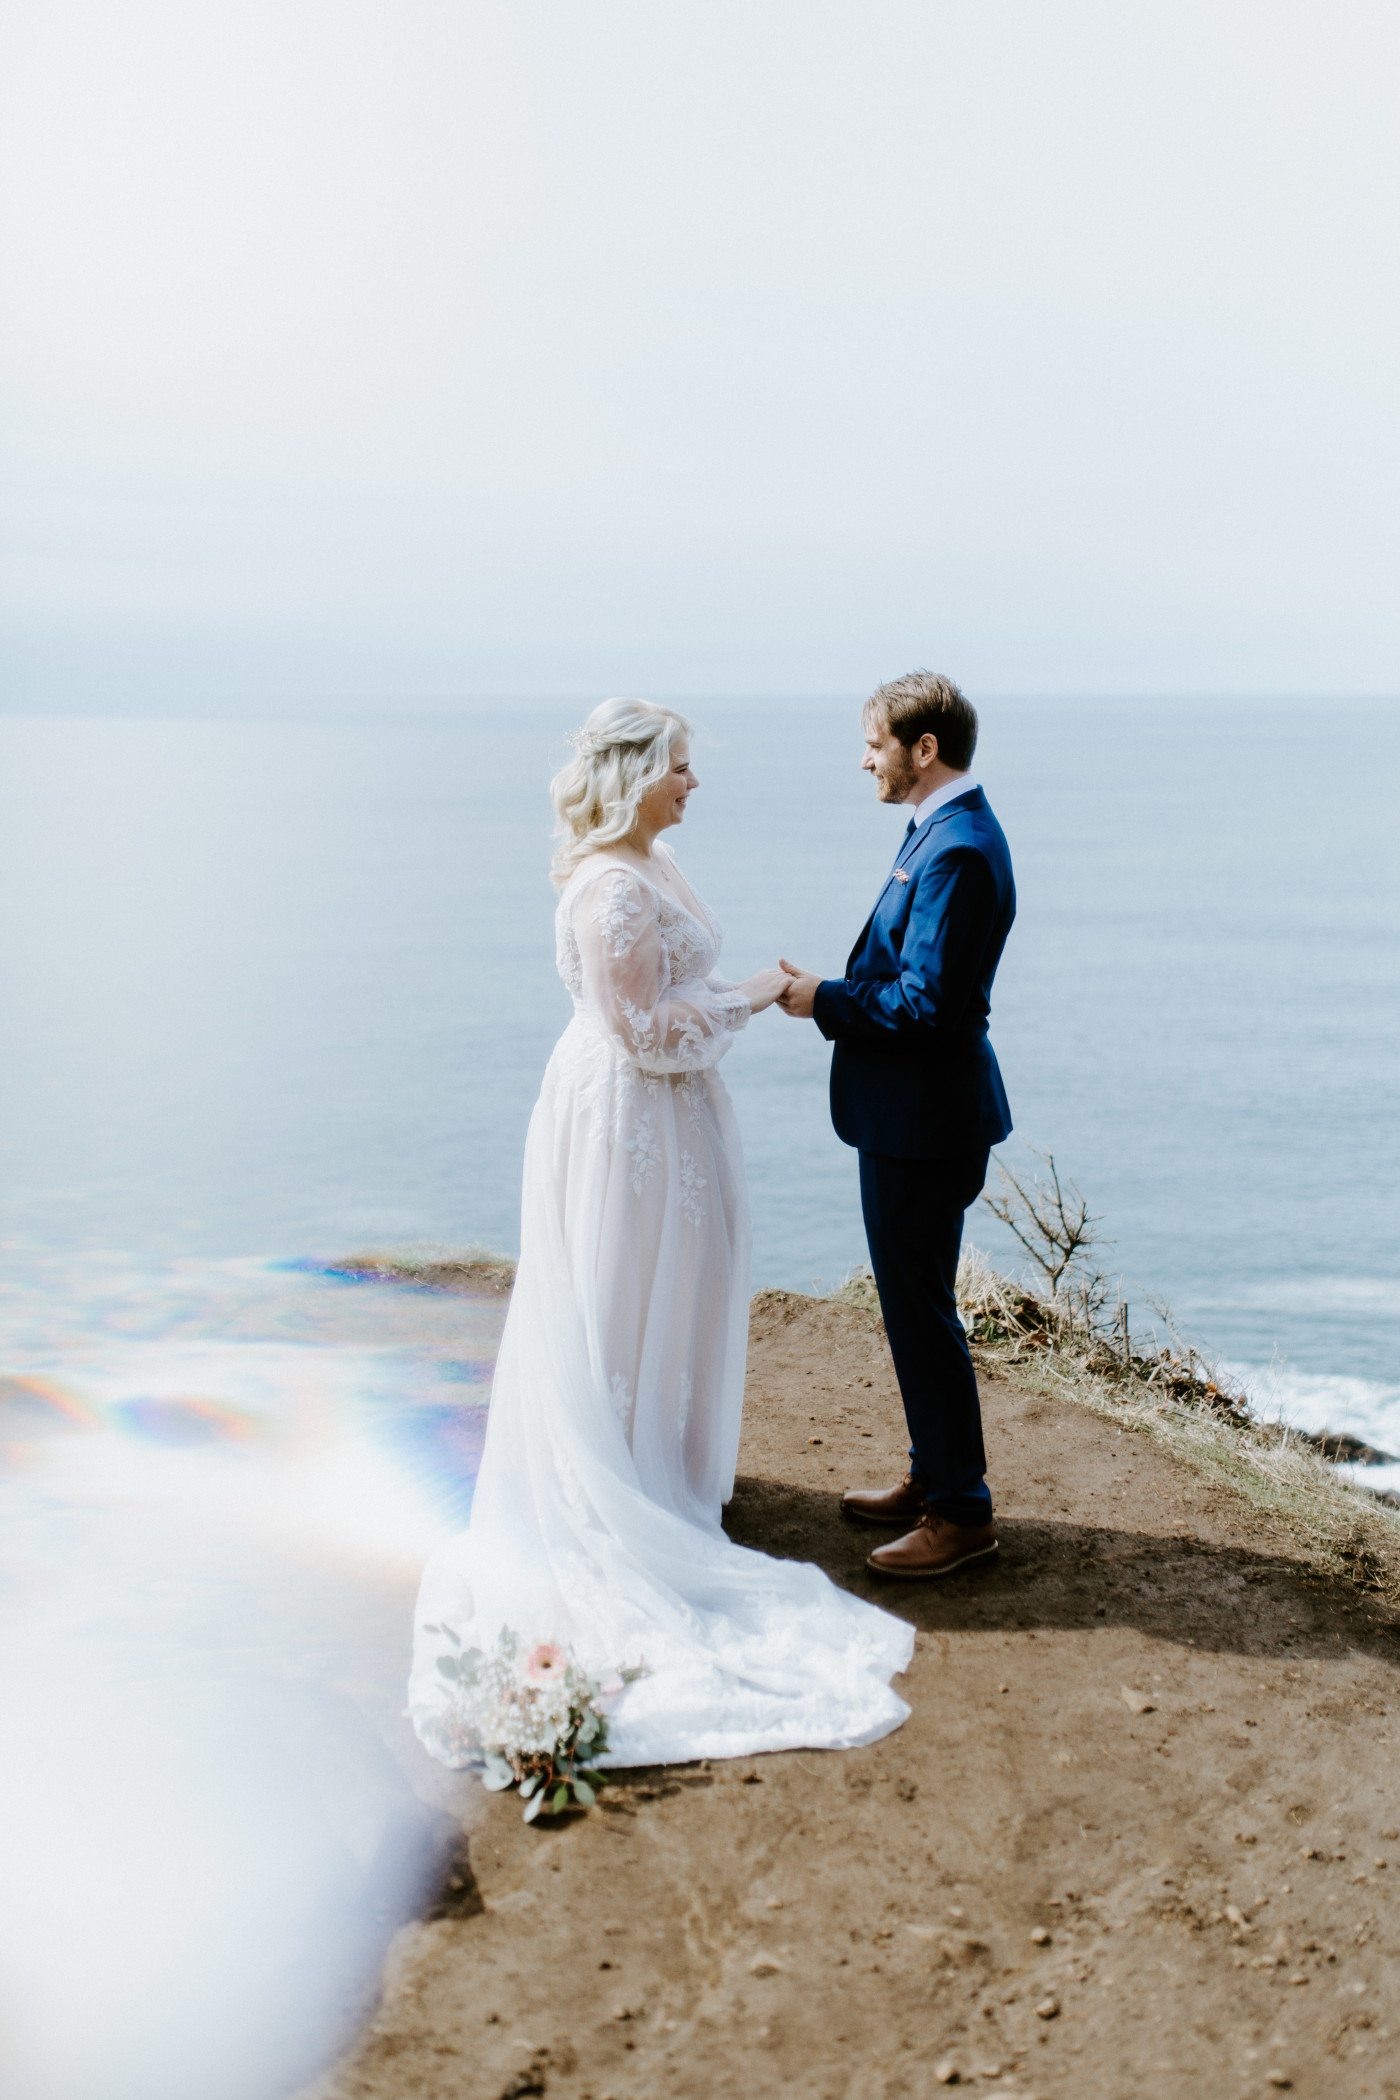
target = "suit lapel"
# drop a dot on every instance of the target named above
(909, 847)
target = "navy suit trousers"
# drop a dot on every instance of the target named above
(913, 1221)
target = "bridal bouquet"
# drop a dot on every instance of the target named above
(528, 1717)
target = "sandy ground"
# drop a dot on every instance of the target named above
(1140, 1836)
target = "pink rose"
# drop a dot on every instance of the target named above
(546, 1664)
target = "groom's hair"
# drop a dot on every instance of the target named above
(923, 703)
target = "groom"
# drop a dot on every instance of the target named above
(915, 1087)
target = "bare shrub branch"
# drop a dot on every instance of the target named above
(1053, 1223)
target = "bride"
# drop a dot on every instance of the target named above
(615, 1412)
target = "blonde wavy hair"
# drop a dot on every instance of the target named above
(621, 753)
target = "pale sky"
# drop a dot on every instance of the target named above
(573, 346)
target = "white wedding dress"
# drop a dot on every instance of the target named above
(615, 1411)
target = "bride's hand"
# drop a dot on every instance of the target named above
(765, 988)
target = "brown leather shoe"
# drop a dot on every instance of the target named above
(901, 1505)
(935, 1547)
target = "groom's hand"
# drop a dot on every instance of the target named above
(800, 996)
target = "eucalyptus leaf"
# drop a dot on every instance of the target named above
(560, 1801)
(583, 1792)
(533, 1807)
(497, 1775)
(529, 1786)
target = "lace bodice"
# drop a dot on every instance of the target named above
(641, 964)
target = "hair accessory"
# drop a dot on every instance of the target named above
(588, 745)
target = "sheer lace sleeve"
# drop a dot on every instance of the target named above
(626, 968)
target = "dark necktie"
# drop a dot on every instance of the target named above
(913, 827)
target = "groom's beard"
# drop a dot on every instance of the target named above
(900, 776)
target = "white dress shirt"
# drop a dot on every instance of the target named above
(949, 792)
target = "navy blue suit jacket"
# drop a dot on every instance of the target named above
(912, 1072)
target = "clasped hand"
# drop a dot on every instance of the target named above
(764, 988)
(799, 996)
(787, 986)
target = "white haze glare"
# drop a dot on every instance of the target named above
(213, 1816)
(436, 349)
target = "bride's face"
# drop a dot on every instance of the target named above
(665, 804)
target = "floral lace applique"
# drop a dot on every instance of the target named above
(690, 1091)
(571, 1488)
(691, 1183)
(567, 959)
(642, 1026)
(687, 942)
(689, 1041)
(731, 1003)
(617, 910)
(630, 1089)
(621, 1399)
(644, 1151)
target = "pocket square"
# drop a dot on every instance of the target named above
(900, 875)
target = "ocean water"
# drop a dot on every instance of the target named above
(277, 990)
